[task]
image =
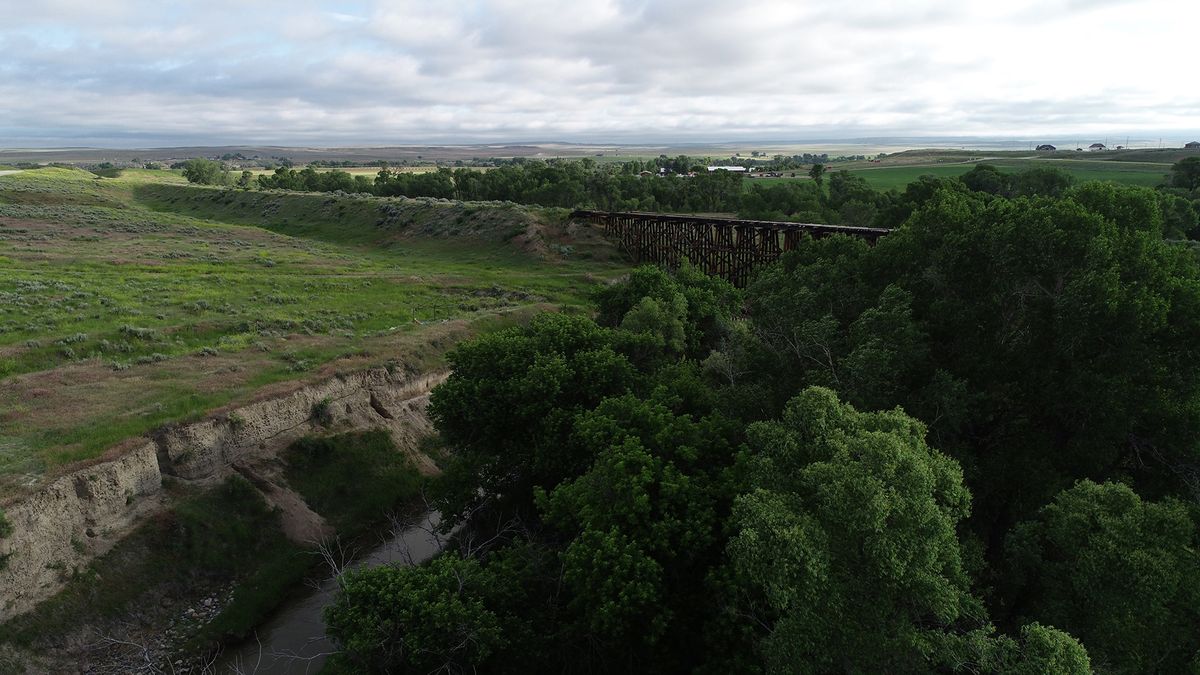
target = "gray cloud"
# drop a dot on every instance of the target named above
(395, 71)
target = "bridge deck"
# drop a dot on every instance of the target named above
(731, 248)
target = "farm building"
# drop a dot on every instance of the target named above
(1194, 145)
(733, 169)
(1096, 146)
(1046, 147)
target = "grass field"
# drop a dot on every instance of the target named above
(130, 302)
(897, 171)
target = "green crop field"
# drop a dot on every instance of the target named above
(897, 176)
(129, 302)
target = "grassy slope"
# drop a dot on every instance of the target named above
(129, 302)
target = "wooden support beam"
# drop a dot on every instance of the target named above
(726, 247)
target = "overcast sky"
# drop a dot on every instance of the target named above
(153, 72)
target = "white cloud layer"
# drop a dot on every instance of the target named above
(142, 72)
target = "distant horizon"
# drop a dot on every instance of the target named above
(138, 73)
(1176, 140)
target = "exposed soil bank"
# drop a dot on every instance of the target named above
(80, 515)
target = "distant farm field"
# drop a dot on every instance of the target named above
(886, 177)
(130, 302)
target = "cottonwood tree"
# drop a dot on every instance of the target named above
(1186, 173)
(1119, 572)
(508, 407)
(205, 172)
(817, 173)
(977, 316)
(847, 552)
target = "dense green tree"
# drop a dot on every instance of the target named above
(1016, 294)
(833, 329)
(583, 184)
(847, 188)
(1008, 297)
(898, 206)
(1127, 207)
(1041, 181)
(662, 320)
(508, 407)
(1120, 573)
(1038, 651)
(645, 526)
(205, 172)
(846, 549)
(423, 619)
(783, 201)
(987, 178)
(857, 213)
(847, 539)
(1032, 182)
(817, 173)
(284, 178)
(1186, 173)
(709, 303)
(1181, 219)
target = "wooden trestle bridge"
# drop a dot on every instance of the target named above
(726, 247)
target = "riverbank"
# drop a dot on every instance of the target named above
(216, 565)
(55, 532)
(222, 536)
(293, 639)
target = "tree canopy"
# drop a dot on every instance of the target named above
(1120, 573)
(969, 448)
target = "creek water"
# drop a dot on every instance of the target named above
(293, 640)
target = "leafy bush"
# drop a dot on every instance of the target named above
(415, 619)
(322, 412)
(352, 479)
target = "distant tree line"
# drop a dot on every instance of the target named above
(568, 184)
(678, 184)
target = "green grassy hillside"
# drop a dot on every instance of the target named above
(129, 302)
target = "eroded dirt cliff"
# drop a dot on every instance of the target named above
(82, 514)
